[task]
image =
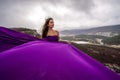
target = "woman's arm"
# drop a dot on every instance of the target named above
(65, 41)
(61, 40)
(58, 35)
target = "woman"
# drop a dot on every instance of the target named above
(48, 28)
(48, 31)
(24, 57)
(49, 34)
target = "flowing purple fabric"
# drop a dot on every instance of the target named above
(24, 57)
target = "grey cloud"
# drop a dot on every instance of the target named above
(82, 5)
(81, 12)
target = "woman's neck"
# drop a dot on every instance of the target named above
(50, 29)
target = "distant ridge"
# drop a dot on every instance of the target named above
(110, 30)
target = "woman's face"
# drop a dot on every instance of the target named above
(51, 24)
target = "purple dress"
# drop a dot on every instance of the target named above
(25, 57)
(50, 39)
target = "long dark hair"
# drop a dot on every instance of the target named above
(45, 27)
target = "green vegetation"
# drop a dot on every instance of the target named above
(90, 36)
(31, 32)
(112, 40)
(67, 38)
(83, 37)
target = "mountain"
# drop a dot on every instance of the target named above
(31, 32)
(108, 31)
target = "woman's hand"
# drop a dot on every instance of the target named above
(68, 42)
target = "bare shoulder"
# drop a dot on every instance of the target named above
(56, 31)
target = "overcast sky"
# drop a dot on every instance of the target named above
(67, 14)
